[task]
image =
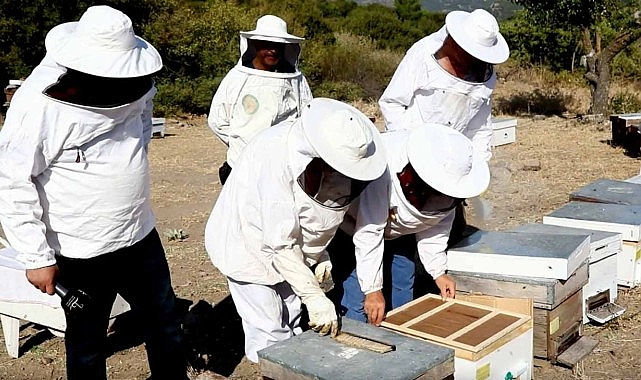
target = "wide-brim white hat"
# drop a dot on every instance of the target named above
(271, 28)
(446, 160)
(477, 32)
(102, 43)
(344, 138)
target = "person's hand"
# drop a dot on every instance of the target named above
(375, 307)
(43, 278)
(446, 285)
(323, 273)
(322, 316)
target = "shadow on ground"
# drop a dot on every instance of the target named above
(214, 337)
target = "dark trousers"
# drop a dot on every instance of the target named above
(398, 274)
(223, 172)
(140, 274)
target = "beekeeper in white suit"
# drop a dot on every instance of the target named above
(448, 77)
(281, 206)
(431, 169)
(263, 89)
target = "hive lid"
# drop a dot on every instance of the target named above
(623, 219)
(609, 191)
(520, 254)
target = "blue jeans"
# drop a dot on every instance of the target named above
(140, 274)
(398, 275)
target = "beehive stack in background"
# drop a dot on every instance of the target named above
(600, 293)
(549, 269)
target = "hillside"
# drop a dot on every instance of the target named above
(500, 8)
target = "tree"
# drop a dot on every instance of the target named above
(606, 27)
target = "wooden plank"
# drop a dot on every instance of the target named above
(578, 351)
(519, 254)
(606, 190)
(545, 293)
(623, 219)
(552, 326)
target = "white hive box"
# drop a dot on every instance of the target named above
(490, 341)
(519, 254)
(503, 131)
(19, 300)
(600, 293)
(623, 219)
(158, 126)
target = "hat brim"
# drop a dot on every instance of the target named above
(69, 51)
(282, 38)
(471, 185)
(455, 24)
(367, 168)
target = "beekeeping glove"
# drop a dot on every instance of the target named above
(290, 263)
(322, 316)
(322, 269)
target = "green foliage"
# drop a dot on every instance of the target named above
(625, 102)
(554, 47)
(184, 95)
(409, 10)
(342, 90)
(576, 13)
(352, 62)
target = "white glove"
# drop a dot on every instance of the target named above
(323, 273)
(322, 316)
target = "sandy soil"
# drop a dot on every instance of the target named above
(185, 185)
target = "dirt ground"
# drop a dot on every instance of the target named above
(568, 152)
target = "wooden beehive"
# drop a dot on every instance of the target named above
(620, 126)
(310, 356)
(478, 333)
(618, 218)
(503, 131)
(601, 290)
(545, 293)
(519, 254)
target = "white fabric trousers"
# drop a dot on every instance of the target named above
(270, 314)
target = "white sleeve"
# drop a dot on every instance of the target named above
(221, 107)
(371, 219)
(280, 229)
(480, 130)
(22, 142)
(400, 90)
(432, 243)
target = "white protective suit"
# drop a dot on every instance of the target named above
(265, 230)
(69, 173)
(370, 220)
(249, 100)
(421, 90)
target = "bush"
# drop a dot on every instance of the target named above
(184, 95)
(343, 91)
(353, 60)
(625, 102)
(538, 102)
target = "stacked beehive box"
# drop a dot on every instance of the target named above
(550, 269)
(618, 210)
(601, 291)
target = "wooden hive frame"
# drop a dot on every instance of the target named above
(472, 330)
